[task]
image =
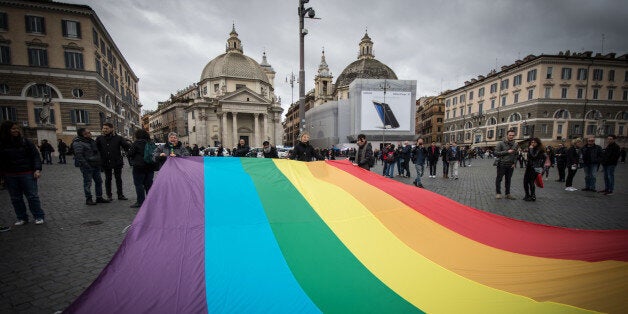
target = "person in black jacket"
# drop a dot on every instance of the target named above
(364, 157)
(432, 157)
(269, 151)
(534, 165)
(20, 165)
(609, 162)
(88, 159)
(46, 151)
(560, 162)
(591, 157)
(143, 173)
(62, 148)
(303, 151)
(110, 145)
(572, 161)
(242, 149)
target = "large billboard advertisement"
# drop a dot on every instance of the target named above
(393, 111)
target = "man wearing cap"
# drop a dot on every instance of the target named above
(269, 151)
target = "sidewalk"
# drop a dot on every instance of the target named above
(44, 268)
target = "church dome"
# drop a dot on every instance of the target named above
(366, 67)
(234, 63)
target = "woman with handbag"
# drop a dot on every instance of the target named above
(534, 167)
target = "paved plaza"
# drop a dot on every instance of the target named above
(44, 268)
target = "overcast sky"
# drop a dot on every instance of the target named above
(440, 44)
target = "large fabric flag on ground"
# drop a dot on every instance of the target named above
(232, 235)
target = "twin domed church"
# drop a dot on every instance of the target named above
(234, 98)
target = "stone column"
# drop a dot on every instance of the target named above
(265, 128)
(235, 128)
(222, 122)
(256, 130)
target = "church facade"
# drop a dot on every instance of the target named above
(234, 99)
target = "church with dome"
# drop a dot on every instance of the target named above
(234, 99)
(334, 112)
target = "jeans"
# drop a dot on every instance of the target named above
(61, 158)
(89, 174)
(589, 175)
(143, 180)
(501, 172)
(445, 168)
(419, 173)
(47, 157)
(453, 165)
(400, 166)
(24, 185)
(117, 172)
(390, 169)
(609, 177)
(433, 167)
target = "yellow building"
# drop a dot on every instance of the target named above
(61, 70)
(552, 97)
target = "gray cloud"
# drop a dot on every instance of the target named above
(438, 43)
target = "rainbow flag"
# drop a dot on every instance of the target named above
(245, 235)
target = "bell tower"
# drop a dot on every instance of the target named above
(323, 86)
(234, 43)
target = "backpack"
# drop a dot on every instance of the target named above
(149, 150)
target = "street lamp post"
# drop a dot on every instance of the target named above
(302, 32)
(384, 86)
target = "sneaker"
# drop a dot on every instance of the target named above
(608, 193)
(3, 229)
(498, 196)
(510, 197)
(136, 205)
(89, 201)
(102, 200)
(122, 198)
(39, 221)
(20, 222)
(420, 186)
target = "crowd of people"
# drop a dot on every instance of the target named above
(21, 162)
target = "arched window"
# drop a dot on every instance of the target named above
(594, 115)
(38, 91)
(468, 125)
(622, 115)
(561, 114)
(514, 117)
(492, 121)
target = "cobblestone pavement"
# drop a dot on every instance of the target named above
(44, 268)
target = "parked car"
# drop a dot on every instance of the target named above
(283, 152)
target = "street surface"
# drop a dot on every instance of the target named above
(44, 268)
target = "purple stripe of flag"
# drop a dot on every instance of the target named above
(159, 268)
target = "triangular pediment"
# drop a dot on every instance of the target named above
(244, 95)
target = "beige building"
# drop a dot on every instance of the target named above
(234, 99)
(61, 70)
(553, 97)
(430, 114)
